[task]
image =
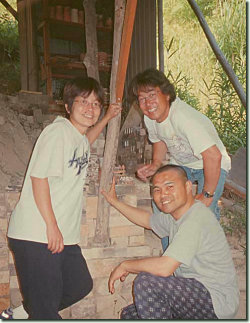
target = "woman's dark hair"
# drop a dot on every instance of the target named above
(148, 79)
(82, 86)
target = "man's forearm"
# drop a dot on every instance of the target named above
(133, 214)
(212, 168)
(159, 153)
(160, 266)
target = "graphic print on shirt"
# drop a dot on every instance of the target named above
(180, 150)
(79, 163)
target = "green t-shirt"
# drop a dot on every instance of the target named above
(198, 241)
(61, 154)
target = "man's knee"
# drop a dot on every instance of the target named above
(143, 281)
(141, 277)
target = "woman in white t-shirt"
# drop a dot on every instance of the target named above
(44, 228)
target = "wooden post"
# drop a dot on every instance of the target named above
(31, 48)
(22, 44)
(46, 49)
(160, 36)
(218, 53)
(91, 57)
(27, 46)
(116, 88)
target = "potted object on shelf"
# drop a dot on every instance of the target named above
(67, 13)
(74, 15)
(59, 12)
(81, 17)
(109, 23)
(52, 12)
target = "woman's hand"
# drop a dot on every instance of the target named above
(113, 110)
(55, 239)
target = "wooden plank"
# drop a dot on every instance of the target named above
(238, 170)
(125, 47)
(31, 48)
(46, 50)
(236, 180)
(121, 48)
(236, 189)
(30, 92)
(22, 44)
(91, 57)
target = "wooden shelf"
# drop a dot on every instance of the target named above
(67, 66)
(67, 30)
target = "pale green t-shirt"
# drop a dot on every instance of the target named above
(61, 154)
(187, 133)
(198, 241)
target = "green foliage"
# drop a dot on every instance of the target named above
(226, 112)
(9, 55)
(8, 38)
(200, 79)
(183, 89)
(224, 106)
(183, 13)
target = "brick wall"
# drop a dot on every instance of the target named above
(8, 201)
(127, 241)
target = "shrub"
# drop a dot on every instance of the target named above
(9, 55)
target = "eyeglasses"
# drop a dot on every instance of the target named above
(152, 97)
(86, 103)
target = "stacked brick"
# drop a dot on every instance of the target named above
(8, 285)
(127, 241)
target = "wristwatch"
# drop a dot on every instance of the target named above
(207, 194)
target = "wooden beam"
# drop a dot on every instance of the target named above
(46, 49)
(9, 8)
(125, 47)
(91, 57)
(121, 48)
(235, 188)
(23, 44)
(218, 53)
(31, 47)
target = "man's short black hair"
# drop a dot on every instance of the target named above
(179, 169)
(148, 79)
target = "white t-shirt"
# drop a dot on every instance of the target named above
(198, 241)
(187, 133)
(61, 154)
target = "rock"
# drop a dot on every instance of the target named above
(2, 120)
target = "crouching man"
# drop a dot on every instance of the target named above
(195, 278)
